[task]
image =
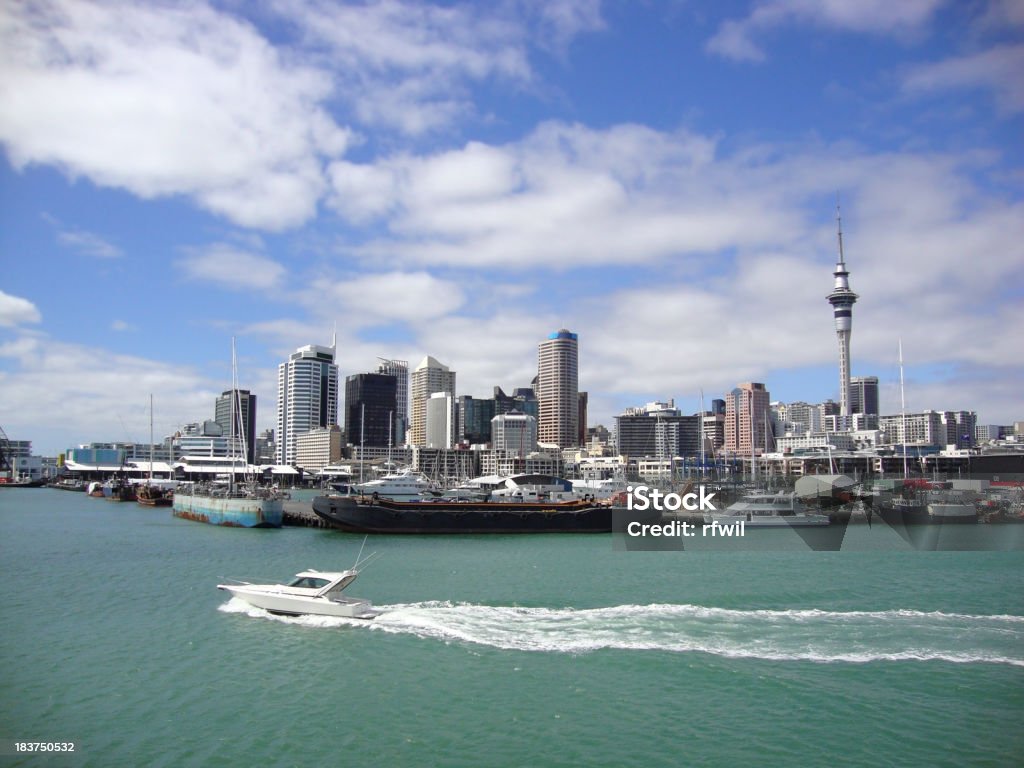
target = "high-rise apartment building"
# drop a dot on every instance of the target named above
(747, 418)
(240, 403)
(558, 389)
(429, 377)
(515, 433)
(307, 396)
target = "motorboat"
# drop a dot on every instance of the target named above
(402, 485)
(310, 592)
(767, 510)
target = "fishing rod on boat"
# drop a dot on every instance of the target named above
(359, 558)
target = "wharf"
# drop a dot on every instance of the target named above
(300, 514)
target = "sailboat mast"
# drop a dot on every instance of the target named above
(702, 464)
(903, 411)
(151, 438)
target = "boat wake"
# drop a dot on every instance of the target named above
(780, 635)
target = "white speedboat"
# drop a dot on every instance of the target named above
(310, 592)
(767, 510)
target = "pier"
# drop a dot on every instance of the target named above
(301, 515)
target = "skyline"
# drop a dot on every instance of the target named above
(460, 181)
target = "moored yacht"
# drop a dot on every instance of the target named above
(403, 485)
(764, 509)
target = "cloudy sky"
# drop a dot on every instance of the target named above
(459, 179)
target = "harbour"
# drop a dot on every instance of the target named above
(543, 650)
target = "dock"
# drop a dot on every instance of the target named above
(300, 514)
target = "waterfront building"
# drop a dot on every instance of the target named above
(986, 433)
(371, 409)
(207, 439)
(265, 447)
(307, 396)
(429, 377)
(558, 389)
(820, 441)
(400, 370)
(658, 430)
(515, 433)
(441, 420)
(842, 300)
(747, 419)
(241, 403)
(319, 448)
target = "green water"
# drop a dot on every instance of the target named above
(499, 651)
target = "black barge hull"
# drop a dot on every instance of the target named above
(381, 516)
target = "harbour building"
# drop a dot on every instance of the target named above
(864, 395)
(842, 300)
(242, 404)
(307, 396)
(558, 389)
(429, 377)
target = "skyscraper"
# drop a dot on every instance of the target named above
(842, 300)
(558, 389)
(307, 396)
(400, 370)
(746, 419)
(864, 395)
(429, 377)
(244, 409)
(371, 414)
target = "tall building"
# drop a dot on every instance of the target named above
(842, 300)
(400, 370)
(371, 409)
(307, 396)
(658, 430)
(241, 403)
(864, 395)
(515, 432)
(441, 420)
(429, 377)
(558, 389)
(747, 418)
(474, 419)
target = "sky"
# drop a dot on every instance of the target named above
(460, 179)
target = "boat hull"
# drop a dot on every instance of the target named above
(928, 514)
(291, 605)
(348, 514)
(232, 512)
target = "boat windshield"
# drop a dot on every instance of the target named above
(309, 582)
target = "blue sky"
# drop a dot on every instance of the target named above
(460, 179)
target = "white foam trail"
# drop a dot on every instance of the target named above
(781, 635)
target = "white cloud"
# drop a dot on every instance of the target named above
(94, 394)
(996, 69)
(391, 297)
(15, 311)
(89, 243)
(735, 38)
(164, 100)
(231, 267)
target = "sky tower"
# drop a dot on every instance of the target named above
(842, 300)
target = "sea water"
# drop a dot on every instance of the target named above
(529, 650)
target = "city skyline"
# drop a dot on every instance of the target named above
(460, 180)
